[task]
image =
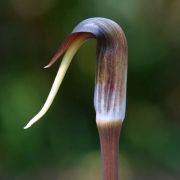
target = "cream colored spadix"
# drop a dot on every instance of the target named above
(58, 79)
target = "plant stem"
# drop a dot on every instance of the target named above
(109, 141)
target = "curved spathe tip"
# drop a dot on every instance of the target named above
(72, 48)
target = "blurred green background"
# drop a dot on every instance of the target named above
(64, 145)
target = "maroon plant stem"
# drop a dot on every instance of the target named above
(109, 141)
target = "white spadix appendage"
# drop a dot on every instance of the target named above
(59, 77)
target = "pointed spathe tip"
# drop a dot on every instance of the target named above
(27, 126)
(47, 66)
(35, 119)
(58, 79)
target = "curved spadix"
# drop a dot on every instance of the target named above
(111, 69)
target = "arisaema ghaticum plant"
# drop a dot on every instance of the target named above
(110, 83)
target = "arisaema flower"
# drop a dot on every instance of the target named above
(110, 83)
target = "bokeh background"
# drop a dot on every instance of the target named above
(64, 145)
